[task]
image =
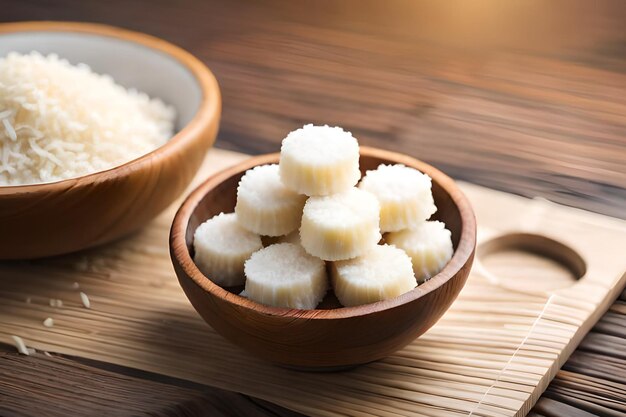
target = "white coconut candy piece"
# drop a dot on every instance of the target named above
(265, 205)
(404, 193)
(284, 275)
(382, 273)
(319, 160)
(429, 245)
(221, 247)
(340, 226)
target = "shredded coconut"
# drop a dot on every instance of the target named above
(55, 302)
(49, 322)
(20, 345)
(61, 121)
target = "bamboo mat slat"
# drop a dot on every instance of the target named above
(492, 354)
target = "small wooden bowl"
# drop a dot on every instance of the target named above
(60, 217)
(322, 339)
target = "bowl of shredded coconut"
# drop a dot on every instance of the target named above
(100, 130)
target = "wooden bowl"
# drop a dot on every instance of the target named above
(65, 216)
(334, 337)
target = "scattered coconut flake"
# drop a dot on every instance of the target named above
(75, 286)
(8, 127)
(31, 351)
(47, 353)
(21, 347)
(49, 322)
(85, 300)
(55, 302)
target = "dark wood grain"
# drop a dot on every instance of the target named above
(59, 387)
(524, 96)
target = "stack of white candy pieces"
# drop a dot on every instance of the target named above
(308, 210)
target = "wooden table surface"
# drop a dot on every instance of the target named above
(523, 96)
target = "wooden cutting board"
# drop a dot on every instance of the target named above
(493, 353)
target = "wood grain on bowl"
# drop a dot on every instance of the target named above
(329, 338)
(54, 218)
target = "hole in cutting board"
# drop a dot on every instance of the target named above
(528, 261)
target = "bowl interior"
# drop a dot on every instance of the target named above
(223, 196)
(131, 64)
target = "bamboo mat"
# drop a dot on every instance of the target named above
(492, 354)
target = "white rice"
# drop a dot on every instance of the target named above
(60, 121)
